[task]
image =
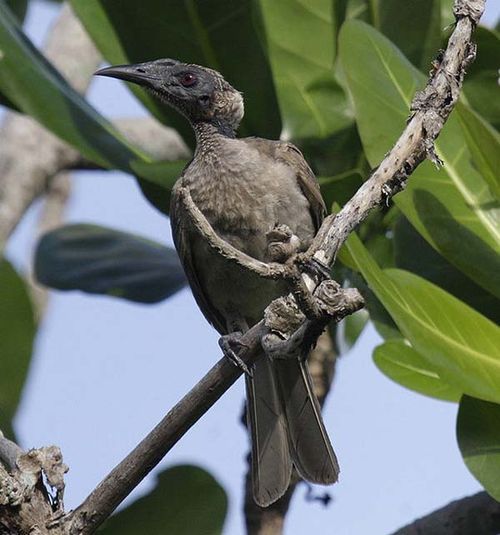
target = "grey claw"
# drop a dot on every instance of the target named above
(226, 343)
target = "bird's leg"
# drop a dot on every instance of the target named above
(231, 343)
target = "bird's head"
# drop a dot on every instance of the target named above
(199, 93)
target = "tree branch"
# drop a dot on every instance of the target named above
(430, 110)
(474, 515)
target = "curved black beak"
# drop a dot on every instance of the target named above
(137, 74)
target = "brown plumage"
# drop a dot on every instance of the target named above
(245, 188)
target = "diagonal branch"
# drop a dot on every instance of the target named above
(430, 108)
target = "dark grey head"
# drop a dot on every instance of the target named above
(199, 93)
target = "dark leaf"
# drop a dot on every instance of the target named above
(481, 82)
(415, 28)
(104, 261)
(18, 7)
(18, 329)
(186, 501)
(478, 435)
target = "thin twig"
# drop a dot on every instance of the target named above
(432, 107)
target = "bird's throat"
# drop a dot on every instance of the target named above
(207, 130)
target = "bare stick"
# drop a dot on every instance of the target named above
(431, 109)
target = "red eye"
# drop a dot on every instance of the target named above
(188, 79)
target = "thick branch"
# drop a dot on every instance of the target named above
(431, 108)
(474, 515)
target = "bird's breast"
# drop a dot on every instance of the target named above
(244, 194)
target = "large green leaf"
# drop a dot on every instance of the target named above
(186, 501)
(18, 329)
(415, 28)
(478, 434)
(214, 33)
(461, 344)
(104, 261)
(300, 42)
(18, 7)
(414, 254)
(340, 188)
(484, 144)
(452, 208)
(481, 82)
(38, 89)
(401, 363)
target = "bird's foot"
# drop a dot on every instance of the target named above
(230, 344)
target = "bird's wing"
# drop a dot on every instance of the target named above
(291, 155)
(180, 231)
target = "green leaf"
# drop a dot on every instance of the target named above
(415, 29)
(447, 16)
(104, 261)
(300, 43)
(186, 501)
(38, 89)
(18, 8)
(350, 329)
(459, 342)
(340, 188)
(481, 82)
(414, 254)
(484, 144)
(220, 35)
(401, 363)
(478, 435)
(18, 328)
(452, 208)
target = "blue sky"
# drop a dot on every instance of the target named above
(106, 371)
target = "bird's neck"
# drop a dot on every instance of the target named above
(206, 132)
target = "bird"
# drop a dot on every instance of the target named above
(250, 190)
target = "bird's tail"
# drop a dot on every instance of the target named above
(286, 426)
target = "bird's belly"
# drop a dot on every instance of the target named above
(235, 292)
